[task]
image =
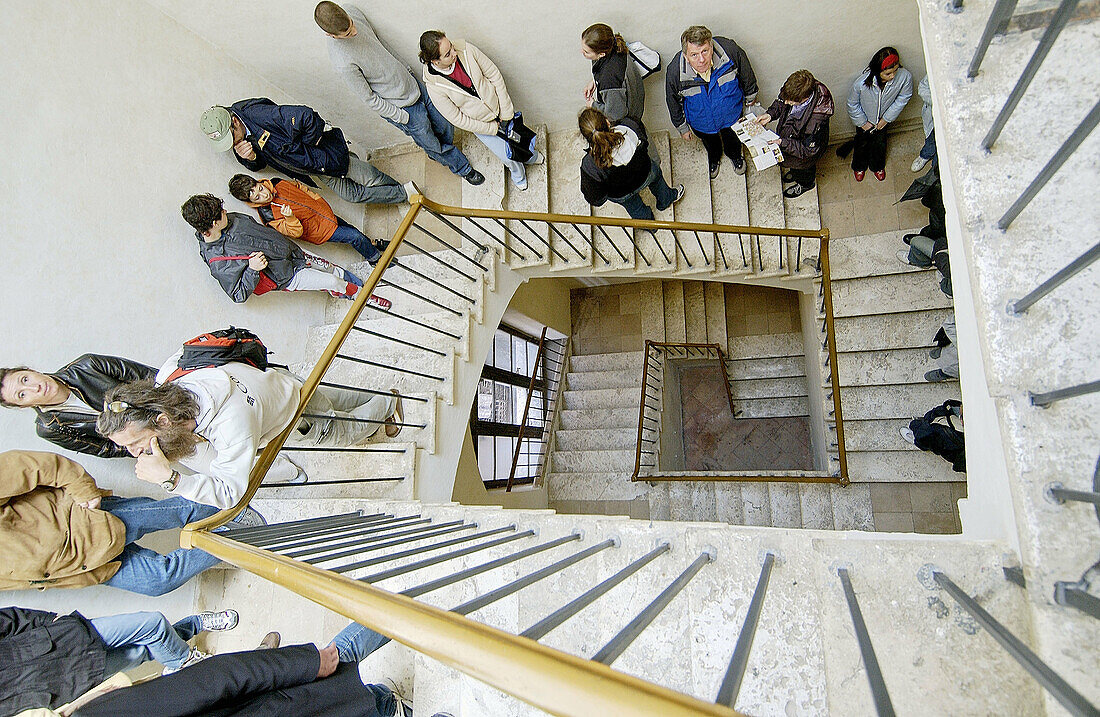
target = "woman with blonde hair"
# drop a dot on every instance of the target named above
(616, 88)
(469, 91)
(617, 165)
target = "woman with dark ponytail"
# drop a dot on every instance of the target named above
(878, 96)
(616, 88)
(617, 165)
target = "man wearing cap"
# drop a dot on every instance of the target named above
(296, 140)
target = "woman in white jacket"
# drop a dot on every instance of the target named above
(878, 96)
(468, 89)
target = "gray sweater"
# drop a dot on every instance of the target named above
(372, 72)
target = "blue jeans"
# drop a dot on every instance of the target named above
(355, 642)
(433, 134)
(347, 234)
(365, 183)
(928, 151)
(499, 147)
(138, 637)
(658, 187)
(145, 571)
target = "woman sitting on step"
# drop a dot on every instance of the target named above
(618, 166)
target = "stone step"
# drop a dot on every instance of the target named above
(782, 367)
(594, 439)
(889, 331)
(714, 299)
(852, 508)
(729, 505)
(324, 466)
(893, 366)
(771, 407)
(816, 505)
(895, 401)
(606, 362)
(756, 505)
(600, 398)
(873, 435)
(657, 252)
(674, 311)
(692, 501)
(765, 190)
(730, 204)
(594, 460)
(620, 378)
(594, 485)
(566, 151)
(868, 255)
(768, 388)
(900, 467)
(695, 312)
(689, 167)
(599, 418)
(765, 346)
(803, 212)
(891, 294)
(786, 505)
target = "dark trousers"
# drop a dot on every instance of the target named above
(803, 175)
(722, 142)
(870, 150)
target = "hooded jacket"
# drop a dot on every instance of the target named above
(242, 236)
(713, 105)
(870, 104)
(466, 111)
(47, 539)
(90, 377)
(625, 176)
(46, 660)
(241, 409)
(619, 89)
(292, 138)
(805, 138)
(311, 217)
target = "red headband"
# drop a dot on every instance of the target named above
(889, 61)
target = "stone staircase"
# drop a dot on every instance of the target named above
(804, 659)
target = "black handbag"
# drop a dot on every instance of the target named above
(520, 139)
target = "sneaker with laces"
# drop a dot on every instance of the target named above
(937, 376)
(271, 641)
(714, 169)
(404, 704)
(196, 655)
(739, 165)
(903, 256)
(918, 164)
(907, 434)
(537, 158)
(218, 621)
(248, 518)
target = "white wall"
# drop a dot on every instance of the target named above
(537, 46)
(100, 149)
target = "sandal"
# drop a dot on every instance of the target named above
(398, 417)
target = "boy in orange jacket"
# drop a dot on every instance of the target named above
(296, 211)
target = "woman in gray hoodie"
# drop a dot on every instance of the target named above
(877, 97)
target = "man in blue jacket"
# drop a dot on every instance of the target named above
(297, 141)
(707, 85)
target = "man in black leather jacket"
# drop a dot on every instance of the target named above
(69, 400)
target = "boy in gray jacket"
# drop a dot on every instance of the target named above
(249, 258)
(388, 86)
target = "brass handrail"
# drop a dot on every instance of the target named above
(526, 408)
(834, 371)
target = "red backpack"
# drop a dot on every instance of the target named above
(218, 348)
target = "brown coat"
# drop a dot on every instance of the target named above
(463, 110)
(46, 538)
(311, 218)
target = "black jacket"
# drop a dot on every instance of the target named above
(46, 660)
(292, 138)
(619, 89)
(242, 236)
(90, 377)
(599, 184)
(253, 683)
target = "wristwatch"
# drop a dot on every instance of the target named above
(170, 484)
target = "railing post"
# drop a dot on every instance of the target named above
(881, 696)
(998, 19)
(1019, 306)
(1061, 17)
(735, 673)
(1043, 400)
(526, 408)
(830, 344)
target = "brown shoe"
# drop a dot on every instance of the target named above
(270, 642)
(398, 417)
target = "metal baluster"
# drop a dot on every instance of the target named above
(517, 236)
(458, 230)
(327, 449)
(1015, 575)
(591, 244)
(422, 549)
(741, 243)
(449, 246)
(1077, 596)
(426, 562)
(430, 280)
(556, 618)
(340, 481)
(301, 540)
(735, 673)
(613, 246)
(721, 251)
(515, 586)
(1044, 400)
(544, 240)
(1061, 690)
(998, 19)
(679, 249)
(308, 531)
(368, 362)
(500, 241)
(245, 534)
(1057, 493)
(404, 290)
(701, 249)
(879, 694)
(759, 253)
(453, 578)
(1061, 17)
(354, 419)
(420, 530)
(633, 242)
(1068, 148)
(397, 340)
(557, 231)
(421, 324)
(609, 652)
(660, 248)
(374, 391)
(1019, 306)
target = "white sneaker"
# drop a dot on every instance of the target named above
(218, 621)
(410, 190)
(918, 164)
(196, 655)
(537, 158)
(907, 434)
